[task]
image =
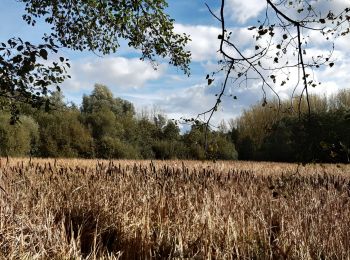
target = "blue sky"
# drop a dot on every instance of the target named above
(168, 88)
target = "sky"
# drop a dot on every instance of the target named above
(167, 88)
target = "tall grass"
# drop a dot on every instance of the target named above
(81, 209)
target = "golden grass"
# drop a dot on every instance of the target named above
(89, 209)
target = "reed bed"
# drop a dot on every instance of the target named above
(90, 209)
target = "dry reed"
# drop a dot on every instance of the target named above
(89, 209)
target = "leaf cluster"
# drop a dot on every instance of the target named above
(25, 75)
(99, 26)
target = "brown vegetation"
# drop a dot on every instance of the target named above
(75, 209)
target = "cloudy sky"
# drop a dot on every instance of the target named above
(168, 88)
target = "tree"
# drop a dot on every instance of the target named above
(195, 142)
(246, 149)
(20, 139)
(147, 132)
(171, 131)
(280, 48)
(63, 135)
(279, 143)
(92, 25)
(168, 144)
(111, 147)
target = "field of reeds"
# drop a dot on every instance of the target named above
(89, 209)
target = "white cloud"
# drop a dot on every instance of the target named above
(241, 11)
(204, 44)
(336, 6)
(127, 72)
(115, 72)
(196, 99)
(204, 40)
(333, 79)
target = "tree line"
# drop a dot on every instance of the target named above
(104, 127)
(288, 133)
(109, 127)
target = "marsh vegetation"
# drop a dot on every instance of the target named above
(88, 209)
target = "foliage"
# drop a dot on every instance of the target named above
(221, 148)
(281, 135)
(24, 75)
(100, 26)
(20, 139)
(62, 135)
(108, 147)
(279, 144)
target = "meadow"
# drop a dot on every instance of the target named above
(95, 209)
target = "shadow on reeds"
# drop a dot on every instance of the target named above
(85, 226)
(97, 237)
(90, 228)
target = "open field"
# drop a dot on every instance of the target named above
(79, 209)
